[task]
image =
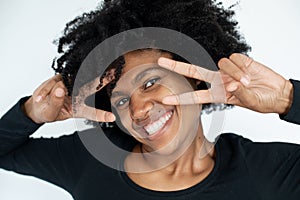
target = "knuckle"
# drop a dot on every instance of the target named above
(60, 83)
(213, 76)
(237, 74)
(57, 77)
(51, 82)
(193, 72)
(196, 97)
(105, 117)
(234, 56)
(174, 65)
(222, 62)
(248, 61)
(43, 92)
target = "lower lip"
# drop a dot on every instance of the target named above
(161, 131)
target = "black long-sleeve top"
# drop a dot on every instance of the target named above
(243, 169)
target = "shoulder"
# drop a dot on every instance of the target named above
(232, 140)
(259, 152)
(109, 136)
(238, 141)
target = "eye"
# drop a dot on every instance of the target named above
(122, 102)
(150, 83)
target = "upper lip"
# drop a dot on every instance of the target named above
(139, 125)
(142, 122)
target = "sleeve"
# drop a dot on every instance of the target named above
(55, 160)
(270, 169)
(293, 115)
(274, 168)
(15, 128)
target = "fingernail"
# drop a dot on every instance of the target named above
(164, 62)
(111, 117)
(231, 88)
(38, 98)
(245, 81)
(59, 92)
(169, 100)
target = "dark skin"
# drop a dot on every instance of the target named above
(185, 171)
(243, 79)
(233, 69)
(50, 103)
(247, 83)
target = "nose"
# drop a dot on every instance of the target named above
(140, 106)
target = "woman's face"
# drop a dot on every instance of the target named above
(137, 98)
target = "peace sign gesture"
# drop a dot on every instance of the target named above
(240, 81)
(50, 103)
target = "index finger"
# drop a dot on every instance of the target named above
(234, 70)
(196, 97)
(45, 88)
(188, 70)
(95, 114)
(82, 110)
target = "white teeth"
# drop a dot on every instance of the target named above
(155, 126)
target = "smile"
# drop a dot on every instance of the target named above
(157, 125)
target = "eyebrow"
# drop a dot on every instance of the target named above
(144, 73)
(117, 93)
(136, 79)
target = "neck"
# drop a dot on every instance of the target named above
(198, 157)
(190, 168)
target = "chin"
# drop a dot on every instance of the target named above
(170, 148)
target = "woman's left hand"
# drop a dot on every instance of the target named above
(240, 81)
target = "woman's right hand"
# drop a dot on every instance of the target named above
(50, 103)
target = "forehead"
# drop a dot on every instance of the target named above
(142, 57)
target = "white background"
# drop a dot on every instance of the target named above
(27, 29)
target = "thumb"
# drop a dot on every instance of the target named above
(56, 102)
(241, 93)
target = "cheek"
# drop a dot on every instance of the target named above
(158, 94)
(124, 121)
(178, 85)
(125, 118)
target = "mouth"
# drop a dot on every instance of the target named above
(156, 128)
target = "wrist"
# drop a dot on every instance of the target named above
(286, 98)
(27, 109)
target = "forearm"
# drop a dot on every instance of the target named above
(15, 128)
(50, 159)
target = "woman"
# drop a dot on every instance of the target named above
(231, 175)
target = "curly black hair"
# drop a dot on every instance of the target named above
(206, 21)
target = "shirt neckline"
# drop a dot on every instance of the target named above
(197, 187)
